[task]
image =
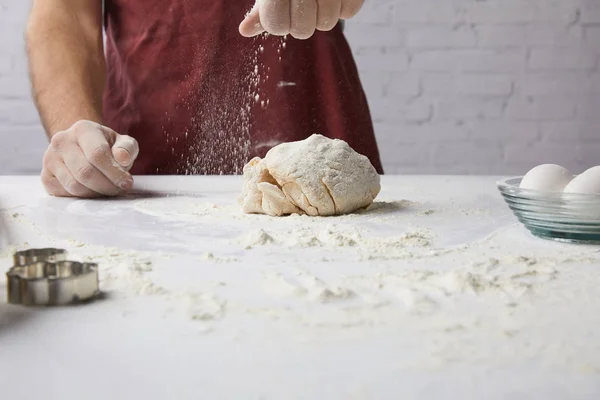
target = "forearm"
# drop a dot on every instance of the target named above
(66, 62)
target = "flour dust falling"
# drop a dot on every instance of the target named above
(225, 123)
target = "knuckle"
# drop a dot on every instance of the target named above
(85, 173)
(128, 144)
(122, 155)
(77, 125)
(129, 140)
(53, 149)
(58, 140)
(81, 125)
(75, 188)
(99, 155)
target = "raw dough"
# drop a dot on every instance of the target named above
(317, 176)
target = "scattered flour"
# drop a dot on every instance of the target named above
(278, 284)
(205, 208)
(322, 292)
(127, 273)
(343, 237)
(202, 307)
(494, 288)
(123, 271)
(425, 212)
(308, 286)
(386, 207)
(326, 295)
(417, 302)
(256, 238)
(187, 208)
(76, 243)
(218, 259)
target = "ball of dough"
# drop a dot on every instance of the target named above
(547, 178)
(317, 176)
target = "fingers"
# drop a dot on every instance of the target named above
(328, 15)
(56, 177)
(303, 18)
(350, 8)
(87, 174)
(251, 25)
(275, 16)
(97, 151)
(70, 186)
(125, 151)
(300, 18)
(89, 160)
(53, 186)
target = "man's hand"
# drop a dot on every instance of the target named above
(89, 160)
(300, 18)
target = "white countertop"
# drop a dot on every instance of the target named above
(436, 292)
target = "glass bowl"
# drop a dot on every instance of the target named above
(565, 217)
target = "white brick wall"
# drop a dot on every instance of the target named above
(455, 86)
(22, 140)
(490, 86)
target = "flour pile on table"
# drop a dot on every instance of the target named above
(317, 176)
(341, 237)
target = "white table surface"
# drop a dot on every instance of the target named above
(465, 305)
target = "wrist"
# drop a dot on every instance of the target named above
(62, 123)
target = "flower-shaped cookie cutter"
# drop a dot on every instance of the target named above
(44, 277)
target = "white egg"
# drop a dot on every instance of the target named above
(586, 183)
(547, 178)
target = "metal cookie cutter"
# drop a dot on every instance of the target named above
(44, 277)
(31, 256)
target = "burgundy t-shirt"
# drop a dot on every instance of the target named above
(201, 99)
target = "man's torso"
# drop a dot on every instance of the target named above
(201, 99)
